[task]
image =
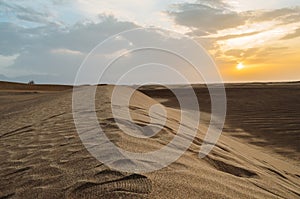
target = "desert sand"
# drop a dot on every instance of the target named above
(257, 155)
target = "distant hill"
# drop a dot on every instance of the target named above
(4, 85)
(39, 79)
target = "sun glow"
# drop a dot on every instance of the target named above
(240, 66)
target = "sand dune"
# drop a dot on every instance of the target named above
(264, 114)
(42, 155)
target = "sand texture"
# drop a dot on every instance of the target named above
(257, 155)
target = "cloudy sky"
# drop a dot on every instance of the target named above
(248, 40)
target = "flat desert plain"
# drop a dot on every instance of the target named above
(257, 155)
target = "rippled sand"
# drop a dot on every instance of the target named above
(257, 155)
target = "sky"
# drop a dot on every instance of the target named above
(248, 40)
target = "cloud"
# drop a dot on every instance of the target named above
(7, 60)
(25, 12)
(52, 38)
(12, 40)
(231, 36)
(52, 51)
(58, 53)
(287, 15)
(206, 18)
(293, 35)
(16, 39)
(261, 54)
(209, 17)
(64, 51)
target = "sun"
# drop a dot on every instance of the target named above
(240, 66)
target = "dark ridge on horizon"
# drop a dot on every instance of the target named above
(4, 85)
(68, 86)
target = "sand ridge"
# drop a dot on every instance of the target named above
(43, 157)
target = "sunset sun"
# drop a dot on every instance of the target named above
(240, 66)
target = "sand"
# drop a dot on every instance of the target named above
(257, 155)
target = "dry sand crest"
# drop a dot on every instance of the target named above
(43, 157)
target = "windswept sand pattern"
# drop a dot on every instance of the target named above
(262, 113)
(43, 157)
